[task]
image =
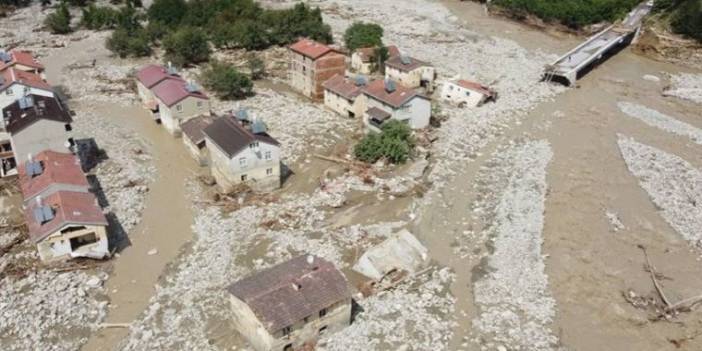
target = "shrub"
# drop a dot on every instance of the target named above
(226, 81)
(687, 19)
(362, 35)
(393, 143)
(99, 17)
(186, 46)
(59, 22)
(573, 13)
(127, 43)
(168, 12)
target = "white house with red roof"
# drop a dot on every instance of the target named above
(466, 93)
(67, 224)
(22, 60)
(311, 64)
(171, 99)
(15, 84)
(386, 99)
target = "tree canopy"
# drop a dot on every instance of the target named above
(226, 81)
(362, 35)
(572, 13)
(393, 143)
(187, 45)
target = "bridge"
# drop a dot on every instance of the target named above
(577, 62)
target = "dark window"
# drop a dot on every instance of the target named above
(322, 312)
(68, 127)
(322, 330)
(82, 241)
(286, 331)
(288, 347)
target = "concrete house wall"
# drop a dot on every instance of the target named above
(200, 155)
(307, 75)
(459, 95)
(416, 112)
(16, 91)
(343, 106)
(41, 135)
(359, 66)
(57, 245)
(228, 172)
(336, 318)
(173, 116)
(147, 97)
(413, 78)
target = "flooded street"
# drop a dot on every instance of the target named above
(167, 219)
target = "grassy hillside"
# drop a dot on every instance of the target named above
(684, 16)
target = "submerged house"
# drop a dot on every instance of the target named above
(345, 96)
(22, 60)
(36, 123)
(311, 64)
(290, 305)
(387, 100)
(240, 151)
(67, 224)
(16, 84)
(194, 138)
(467, 93)
(410, 72)
(170, 98)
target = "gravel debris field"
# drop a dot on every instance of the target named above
(686, 86)
(661, 121)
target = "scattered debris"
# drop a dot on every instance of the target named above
(661, 121)
(614, 221)
(685, 86)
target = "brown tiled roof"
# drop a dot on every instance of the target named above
(378, 114)
(396, 62)
(230, 136)
(342, 86)
(58, 168)
(22, 57)
(11, 76)
(192, 129)
(48, 108)
(286, 293)
(69, 208)
(311, 48)
(397, 98)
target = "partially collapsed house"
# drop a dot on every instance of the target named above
(345, 96)
(22, 60)
(386, 100)
(240, 151)
(410, 72)
(194, 137)
(311, 64)
(36, 123)
(170, 98)
(397, 257)
(290, 305)
(466, 93)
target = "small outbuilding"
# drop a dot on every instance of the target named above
(467, 93)
(290, 305)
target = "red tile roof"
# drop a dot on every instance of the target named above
(401, 95)
(24, 58)
(58, 169)
(476, 87)
(287, 293)
(172, 91)
(342, 86)
(151, 75)
(69, 208)
(393, 51)
(311, 48)
(12, 75)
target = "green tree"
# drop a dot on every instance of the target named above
(363, 35)
(394, 143)
(127, 43)
(186, 46)
(687, 19)
(59, 22)
(97, 18)
(226, 81)
(257, 67)
(168, 12)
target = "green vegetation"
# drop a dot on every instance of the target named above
(59, 22)
(572, 13)
(226, 81)
(241, 23)
(363, 35)
(685, 16)
(393, 143)
(129, 38)
(97, 18)
(187, 45)
(257, 67)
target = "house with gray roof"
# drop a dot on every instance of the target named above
(289, 306)
(240, 151)
(410, 72)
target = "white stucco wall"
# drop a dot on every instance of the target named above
(17, 91)
(416, 112)
(228, 171)
(57, 246)
(457, 94)
(342, 106)
(173, 116)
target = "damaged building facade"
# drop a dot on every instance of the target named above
(289, 306)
